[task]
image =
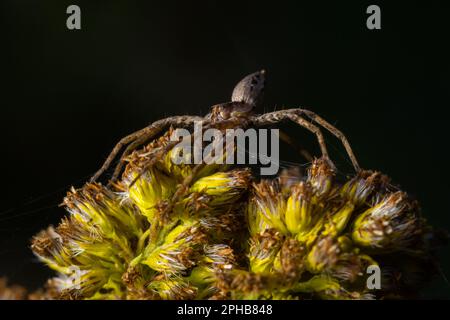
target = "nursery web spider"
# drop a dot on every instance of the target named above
(236, 113)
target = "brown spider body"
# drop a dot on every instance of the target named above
(245, 97)
(239, 113)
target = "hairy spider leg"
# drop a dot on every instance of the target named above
(278, 116)
(153, 160)
(123, 142)
(132, 146)
(149, 132)
(183, 188)
(337, 133)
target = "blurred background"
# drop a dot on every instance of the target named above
(68, 96)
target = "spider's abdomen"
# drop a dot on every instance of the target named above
(250, 89)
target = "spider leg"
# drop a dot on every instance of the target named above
(292, 114)
(132, 146)
(182, 190)
(336, 132)
(123, 142)
(149, 132)
(153, 160)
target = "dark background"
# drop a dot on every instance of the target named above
(68, 96)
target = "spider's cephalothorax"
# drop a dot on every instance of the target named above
(238, 113)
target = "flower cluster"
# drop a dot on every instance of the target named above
(116, 242)
(226, 236)
(314, 237)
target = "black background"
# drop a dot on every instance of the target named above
(68, 96)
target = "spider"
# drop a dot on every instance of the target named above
(239, 112)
